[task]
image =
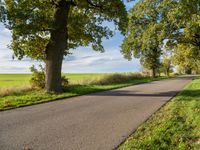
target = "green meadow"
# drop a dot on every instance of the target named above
(14, 80)
(20, 80)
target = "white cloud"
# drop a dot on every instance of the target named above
(83, 59)
(110, 61)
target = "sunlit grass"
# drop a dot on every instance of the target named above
(175, 126)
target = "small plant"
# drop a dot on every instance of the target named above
(65, 81)
(7, 104)
(38, 78)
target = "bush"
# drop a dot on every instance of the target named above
(38, 78)
(116, 78)
(65, 81)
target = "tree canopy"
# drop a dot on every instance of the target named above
(162, 23)
(144, 35)
(187, 58)
(32, 21)
(184, 20)
(183, 32)
(47, 29)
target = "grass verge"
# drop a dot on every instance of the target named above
(174, 126)
(20, 99)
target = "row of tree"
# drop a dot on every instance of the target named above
(47, 29)
(154, 26)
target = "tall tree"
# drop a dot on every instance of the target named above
(47, 29)
(181, 20)
(181, 25)
(166, 66)
(144, 38)
(187, 58)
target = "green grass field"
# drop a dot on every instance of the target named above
(19, 80)
(175, 127)
(13, 98)
(14, 80)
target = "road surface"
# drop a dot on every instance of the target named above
(99, 121)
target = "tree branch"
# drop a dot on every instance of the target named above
(94, 5)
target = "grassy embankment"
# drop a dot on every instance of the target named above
(11, 97)
(175, 127)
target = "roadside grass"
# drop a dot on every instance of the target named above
(175, 126)
(20, 99)
(12, 90)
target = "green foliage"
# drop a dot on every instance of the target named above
(187, 58)
(166, 66)
(64, 81)
(31, 23)
(184, 36)
(185, 15)
(38, 78)
(151, 22)
(175, 126)
(143, 39)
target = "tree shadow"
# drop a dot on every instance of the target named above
(96, 90)
(190, 93)
(135, 93)
(185, 93)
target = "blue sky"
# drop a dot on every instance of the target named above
(82, 60)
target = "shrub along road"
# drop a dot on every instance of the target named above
(95, 121)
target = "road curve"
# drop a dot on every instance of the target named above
(99, 121)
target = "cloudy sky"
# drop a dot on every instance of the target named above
(82, 60)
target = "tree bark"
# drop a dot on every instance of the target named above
(153, 72)
(56, 46)
(167, 72)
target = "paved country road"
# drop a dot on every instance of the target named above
(99, 121)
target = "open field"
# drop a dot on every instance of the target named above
(19, 80)
(14, 80)
(25, 97)
(175, 126)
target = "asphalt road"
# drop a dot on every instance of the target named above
(99, 121)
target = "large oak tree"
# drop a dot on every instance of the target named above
(47, 29)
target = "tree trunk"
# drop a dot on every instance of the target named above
(56, 46)
(153, 72)
(167, 72)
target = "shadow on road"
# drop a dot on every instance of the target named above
(185, 93)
